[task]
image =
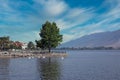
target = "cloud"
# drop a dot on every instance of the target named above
(67, 37)
(74, 17)
(53, 7)
(26, 17)
(106, 21)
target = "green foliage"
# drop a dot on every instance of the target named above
(4, 43)
(31, 45)
(15, 45)
(50, 36)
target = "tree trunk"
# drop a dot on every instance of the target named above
(49, 50)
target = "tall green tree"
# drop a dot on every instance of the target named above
(50, 36)
(31, 45)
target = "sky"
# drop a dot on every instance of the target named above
(22, 19)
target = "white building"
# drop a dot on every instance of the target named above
(24, 45)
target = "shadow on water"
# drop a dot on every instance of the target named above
(49, 69)
(4, 69)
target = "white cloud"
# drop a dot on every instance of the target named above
(62, 24)
(53, 10)
(67, 37)
(72, 36)
(76, 12)
(50, 8)
(104, 23)
(74, 17)
(53, 7)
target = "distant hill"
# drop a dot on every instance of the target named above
(106, 39)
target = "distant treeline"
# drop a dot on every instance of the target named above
(89, 48)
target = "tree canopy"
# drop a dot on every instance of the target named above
(50, 36)
(4, 43)
(31, 45)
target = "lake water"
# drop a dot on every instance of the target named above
(78, 65)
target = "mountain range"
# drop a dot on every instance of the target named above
(102, 39)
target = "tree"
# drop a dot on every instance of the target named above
(31, 45)
(17, 45)
(50, 36)
(4, 43)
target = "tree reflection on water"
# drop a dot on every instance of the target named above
(49, 69)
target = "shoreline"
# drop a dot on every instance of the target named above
(29, 55)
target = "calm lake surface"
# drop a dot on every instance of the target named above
(78, 65)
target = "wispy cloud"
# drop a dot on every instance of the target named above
(52, 8)
(75, 17)
(22, 19)
(99, 22)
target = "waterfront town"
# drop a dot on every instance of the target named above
(7, 44)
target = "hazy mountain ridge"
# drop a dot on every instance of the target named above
(106, 39)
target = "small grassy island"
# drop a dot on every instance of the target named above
(50, 39)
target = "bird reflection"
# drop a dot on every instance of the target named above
(49, 69)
